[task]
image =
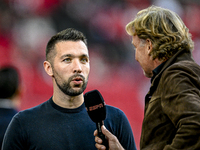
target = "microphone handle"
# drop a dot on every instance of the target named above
(101, 135)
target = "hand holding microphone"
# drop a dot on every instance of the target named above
(97, 111)
(114, 144)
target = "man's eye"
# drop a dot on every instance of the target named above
(84, 60)
(67, 59)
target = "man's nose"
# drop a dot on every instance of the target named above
(77, 66)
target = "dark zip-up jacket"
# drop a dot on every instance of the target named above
(172, 106)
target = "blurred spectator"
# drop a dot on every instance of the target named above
(30, 36)
(9, 97)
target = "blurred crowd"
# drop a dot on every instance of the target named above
(27, 25)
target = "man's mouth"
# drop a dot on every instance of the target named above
(77, 80)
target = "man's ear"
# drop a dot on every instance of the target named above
(149, 45)
(48, 68)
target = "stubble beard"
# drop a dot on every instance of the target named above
(66, 88)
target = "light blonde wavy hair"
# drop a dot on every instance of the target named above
(164, 28)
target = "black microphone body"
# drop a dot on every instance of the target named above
(97, 111)
(100, 134)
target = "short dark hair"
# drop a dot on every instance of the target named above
(68, 34)
(9, 81)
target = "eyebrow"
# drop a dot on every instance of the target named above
(70, 55)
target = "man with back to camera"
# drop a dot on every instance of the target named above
(9, 96)
(62, 122)
(163, 47)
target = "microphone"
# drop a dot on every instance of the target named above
(96, 109)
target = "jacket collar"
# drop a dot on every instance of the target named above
(179, 56)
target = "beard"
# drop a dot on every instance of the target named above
(66, 88)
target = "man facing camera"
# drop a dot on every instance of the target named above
(62, 121)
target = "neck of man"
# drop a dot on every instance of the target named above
(66, 101)
(157, 63)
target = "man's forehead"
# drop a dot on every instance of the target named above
(71, 45)
(71, 49)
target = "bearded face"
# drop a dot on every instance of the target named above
(70, 67)
(72, 89)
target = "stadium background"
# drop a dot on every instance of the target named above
(26, 26)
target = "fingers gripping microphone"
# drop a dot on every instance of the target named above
(96, 110)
